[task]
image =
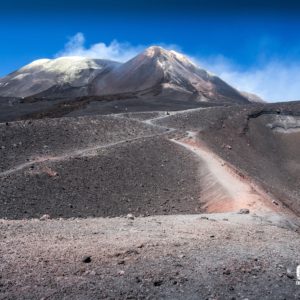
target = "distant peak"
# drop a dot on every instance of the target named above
(155, 51)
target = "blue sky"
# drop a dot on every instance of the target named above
(254, 45)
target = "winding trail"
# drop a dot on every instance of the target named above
(223, 188)
(90, 151)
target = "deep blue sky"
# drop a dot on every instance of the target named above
(249, 33)
(241, 30)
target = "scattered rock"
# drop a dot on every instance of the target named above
(130, 216)
(158, 282)
(227, 272)
(138, 279)
(49, 172)
(44, 217)
(244, 211)
(290, 273)
(86, 259)
(226, 147)
(131, 252)
(274, 202)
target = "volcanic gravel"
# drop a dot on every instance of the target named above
(242, 136)
(147, 176)
(224, 256)
(23, 141)
(76, 193)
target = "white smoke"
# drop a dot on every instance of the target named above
(114, 51)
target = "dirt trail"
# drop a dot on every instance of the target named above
(224, 189)
(90, 151)
(209, 256)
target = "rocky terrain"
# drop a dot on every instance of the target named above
(199, 203)
(215, 256)
(261, 141)
(152, 179)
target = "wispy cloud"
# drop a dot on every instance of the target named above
(113, 51)
(275, 80)
(118, 51)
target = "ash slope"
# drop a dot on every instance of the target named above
(138, 163)
(261, 141)
(166, 73)
(149, 163)
(93, 166)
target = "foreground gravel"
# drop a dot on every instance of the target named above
(220, 256)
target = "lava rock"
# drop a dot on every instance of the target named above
(157, 282)
(290, 273)
(45, 217)
(86, 259)
(244, 211)
(130, 217)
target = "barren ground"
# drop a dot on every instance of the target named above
(223, 256)
(87, 173)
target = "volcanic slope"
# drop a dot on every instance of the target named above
(74, 171)
(260, 141)
(168, 74)
(86, 166)
(118, 164)
(43, 74)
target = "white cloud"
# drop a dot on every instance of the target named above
(113, 51)
(276, 80)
